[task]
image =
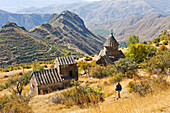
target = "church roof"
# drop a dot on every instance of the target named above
(111, 41)
(47, 76)
(66, 60)
(102, 55)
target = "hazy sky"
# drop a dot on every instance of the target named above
(14, 5)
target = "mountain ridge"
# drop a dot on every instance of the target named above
(108, 9)
(17, 46)
(27, 20)
(146, 27)
(69, 29)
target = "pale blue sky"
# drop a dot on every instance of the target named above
(14, 5)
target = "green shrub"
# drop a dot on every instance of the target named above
(45, 66)
(5, 76)
(105, 83)
(82, 96)
(159, 61)
(141, 87)
(87, 56)
(20, 73)
(165, 42)
(6, 70)
(15, 104)
(162, 48)
(156, 40)
(37, 67)
(27, 66)
(1, 87)
(116, 78)
(157, 44)
(139, 52)
(83, 65)
(6, 85)
(88, 59)
(125, 64)
(92, 55)
(101, 71)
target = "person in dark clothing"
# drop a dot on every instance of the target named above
(118, 89)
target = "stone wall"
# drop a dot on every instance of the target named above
(65, 70)
(33, 86)
(45, 89)
(111, 51)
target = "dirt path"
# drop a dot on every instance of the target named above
(108, 100)
(124, 93)
(14, 72)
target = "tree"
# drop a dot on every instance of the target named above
(160, 61)
(20, 86)
(151, 50)
(84, 65)
(162, 48)
(140, 51)
(156, 40)
(133, 40)
(125, 64)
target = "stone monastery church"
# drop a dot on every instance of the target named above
(65, 69)
(49, 80)
(110, 52)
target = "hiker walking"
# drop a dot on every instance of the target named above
(118, 89)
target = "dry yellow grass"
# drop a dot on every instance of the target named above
(130, 103)
(136, 104)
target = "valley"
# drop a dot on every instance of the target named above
(85, 56)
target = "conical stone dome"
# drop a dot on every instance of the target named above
(111, 41)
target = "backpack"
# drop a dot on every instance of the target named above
(118, 87)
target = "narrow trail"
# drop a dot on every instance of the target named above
(110, 99)
(14, 72)
(124, 93)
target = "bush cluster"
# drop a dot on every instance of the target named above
(15, 104)
(88, 59)
(149, 85)
(13, 81)
(7, 84)
(99, 71)
(82, 96)
(142, 87)
(117, 78)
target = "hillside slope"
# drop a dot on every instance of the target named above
(68, 29)
(16, 46)
(146, 27)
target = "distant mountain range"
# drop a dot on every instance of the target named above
(146, 27)
(104, 10)
(28, 21)
(125, 17)
(65, 34)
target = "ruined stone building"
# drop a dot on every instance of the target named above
(110, 52)
(48, 80)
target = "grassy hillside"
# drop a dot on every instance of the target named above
(19, 46)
